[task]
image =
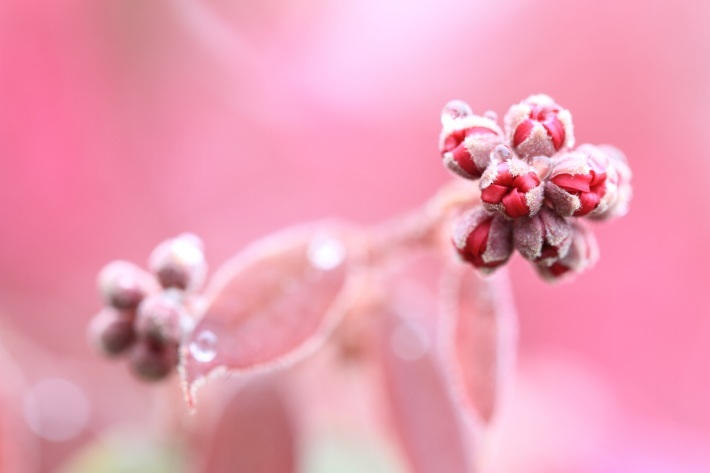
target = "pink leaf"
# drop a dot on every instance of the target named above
(253, 433)
(480, 332)
(423, 409)
(271, 305)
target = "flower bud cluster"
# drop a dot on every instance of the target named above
(147, 314)
(534, 186)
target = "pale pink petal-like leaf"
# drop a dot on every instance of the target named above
(480, 331)
(253, 433)
(424, 412)
(272, 304)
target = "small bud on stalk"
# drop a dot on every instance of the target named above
(544, 238)
(162, 316)
(512, 188)
(483, 239)
(111, 331)
(538, 126)
(467, 140)
(581, 182)
(180, 263)
(582, 255)
(152, 361)
(123, 285)
(620, 205)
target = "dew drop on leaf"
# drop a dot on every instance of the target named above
(203, 347)
(271, 305)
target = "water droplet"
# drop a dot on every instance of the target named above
(326, 252)
(204, 347)
(409, 341)
(542, 165)
(501, 153)
(453, 111)
(491, 115)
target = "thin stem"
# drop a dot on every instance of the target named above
(423, 226)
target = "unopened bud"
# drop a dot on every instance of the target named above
(483, 239)
(152, 361)
(111, 331)
(582, 255)
(512, 188)
(538, 126)
(620, 205)
(123, 285)
(162, 317)
(544, 238)
(179, 263)
(467, 145)
(578, 184)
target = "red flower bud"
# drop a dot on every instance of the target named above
(582, 255)
(162, 317)
(621, 177)
(538, 126)
(483, 239)
(123, 285)
(512, 188)
(466, 144)
(544, 238)
(578, 183)
(179, 262)
(111, 331)
(153, 361)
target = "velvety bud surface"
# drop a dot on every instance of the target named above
(582, 255)
(578, 184)
(466, 148)
(123, 285)
(483, 239)
(152, 361)
(512, 188)
(111, 331)
(179, 262)
(538, 126)
(162, 316)
(623, 191)
(544, 238)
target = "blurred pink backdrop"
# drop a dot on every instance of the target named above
(126, 122)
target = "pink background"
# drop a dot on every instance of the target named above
(126, 122)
